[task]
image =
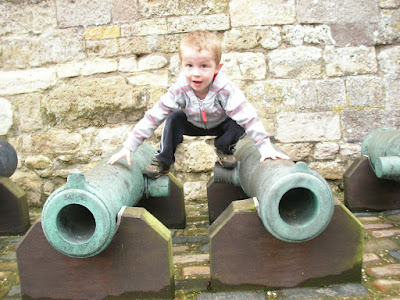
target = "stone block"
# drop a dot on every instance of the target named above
(326, 150)
(369, 257)
(125, 11)
(195, 156)
(351, 290)
(149, 78)
(365, 91)
(279, 12)
(241, 39)
(137, 264)
(385, 233)
(256, 259)
(102, 32)
(384, 271)
(244, 66)
(83, 13)
(6, 116)
(196, 271)
(350, 61)
(145, 27)
(299, 62)
(330, 170)
(14, 214)
(388, 30)
(297, 35)
(392, 88)
(201, 22)
(30, 183)
(191, 258)
(356, 124)
(377, 226)
(152, 62)
(387, 285)
(307, 127)
(26, 81)
(389, 3)
(389, 60)
(29, 116)
(250, 295)
(354, 34)
(337, 11)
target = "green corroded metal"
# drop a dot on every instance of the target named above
(80, 218)
(382, 146)
(295, 203)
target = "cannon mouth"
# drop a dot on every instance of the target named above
(76, 223)
(298, 206)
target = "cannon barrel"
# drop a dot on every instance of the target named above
(382, 146)
(295, 203)
(80, 218)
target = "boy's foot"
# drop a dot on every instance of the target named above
(156, 169)
(227, 161)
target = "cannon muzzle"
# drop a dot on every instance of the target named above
(80, 218)
(382, 146)
(295, 203)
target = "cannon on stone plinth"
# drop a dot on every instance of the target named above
(295, 202)
(373, 181)
(14, 214)
(89, 232)
(285, 231)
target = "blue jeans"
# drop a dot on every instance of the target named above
(227, 134)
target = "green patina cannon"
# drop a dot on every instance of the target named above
(382, 147)
(295, 203)
(80, 218)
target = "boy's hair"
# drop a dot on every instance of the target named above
(202, 39)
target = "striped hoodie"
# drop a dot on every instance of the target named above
(223, 100)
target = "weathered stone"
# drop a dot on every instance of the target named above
(240, 39)
(330, 170)
(145, 27)
(60, 141)
(297, 35)
(29, 112)
(83, 13)
(93, 102)
(389, 60)
(196, 271)
(195, 156)
(385, 233)
(365, 91)
(368, 257)
(350, 150)
(353, 34)
(350, 61)
(127, 64)
(386, 285)
(150, 78)
(279, 12)
(336, 11)
(108, 139)
(125, 10)
(19, 82)
(38, 162)
(6, 116)
(392, 87)
(153, 9)
(191, 258)
(388, 27)
(377, 226)
(245, 65)
(356, 124)
(298, 151)
(85, 68)
(201, 22)
(326, 150)
(180, 249)
(383, 271)
(379, 245)
(54, 46)
(303, 127)
(30, 183)
(195, 190)
(152, 62)
(389, 3)
(299, 62)
(271, 37)
(102, 32)
(250, 295)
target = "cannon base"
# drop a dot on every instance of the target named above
(136, 265)
(168, 210)
(14, 214)
(363, 191)
(244, 255)
(220, 195)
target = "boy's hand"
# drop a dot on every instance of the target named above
(124, 152)
(273, 154)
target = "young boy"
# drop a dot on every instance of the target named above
(202, 102)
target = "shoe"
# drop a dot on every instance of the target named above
(227, 161)
(156, 169)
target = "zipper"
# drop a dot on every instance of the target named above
(203, 114)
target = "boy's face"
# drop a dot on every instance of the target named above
(199, 68)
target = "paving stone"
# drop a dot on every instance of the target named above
(196, 271)
(369, 219)
(190, 239)
(191, 258)
(9, 256)
(180, 249)
(368, 257)
(256, 295)
(380, 245)
(386, 285)
(366, 214)
(384, 271)
(395, 254)
(15, 291)
(385, 233)
(204, 248)
(342, 290)
(378, 226)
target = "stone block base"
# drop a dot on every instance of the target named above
(244, 255)
(136, 265)
(364, 191)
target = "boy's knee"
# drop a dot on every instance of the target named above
(176, 116)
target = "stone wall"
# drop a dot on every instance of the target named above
(76, 75)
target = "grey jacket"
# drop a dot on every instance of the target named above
(223, 100)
